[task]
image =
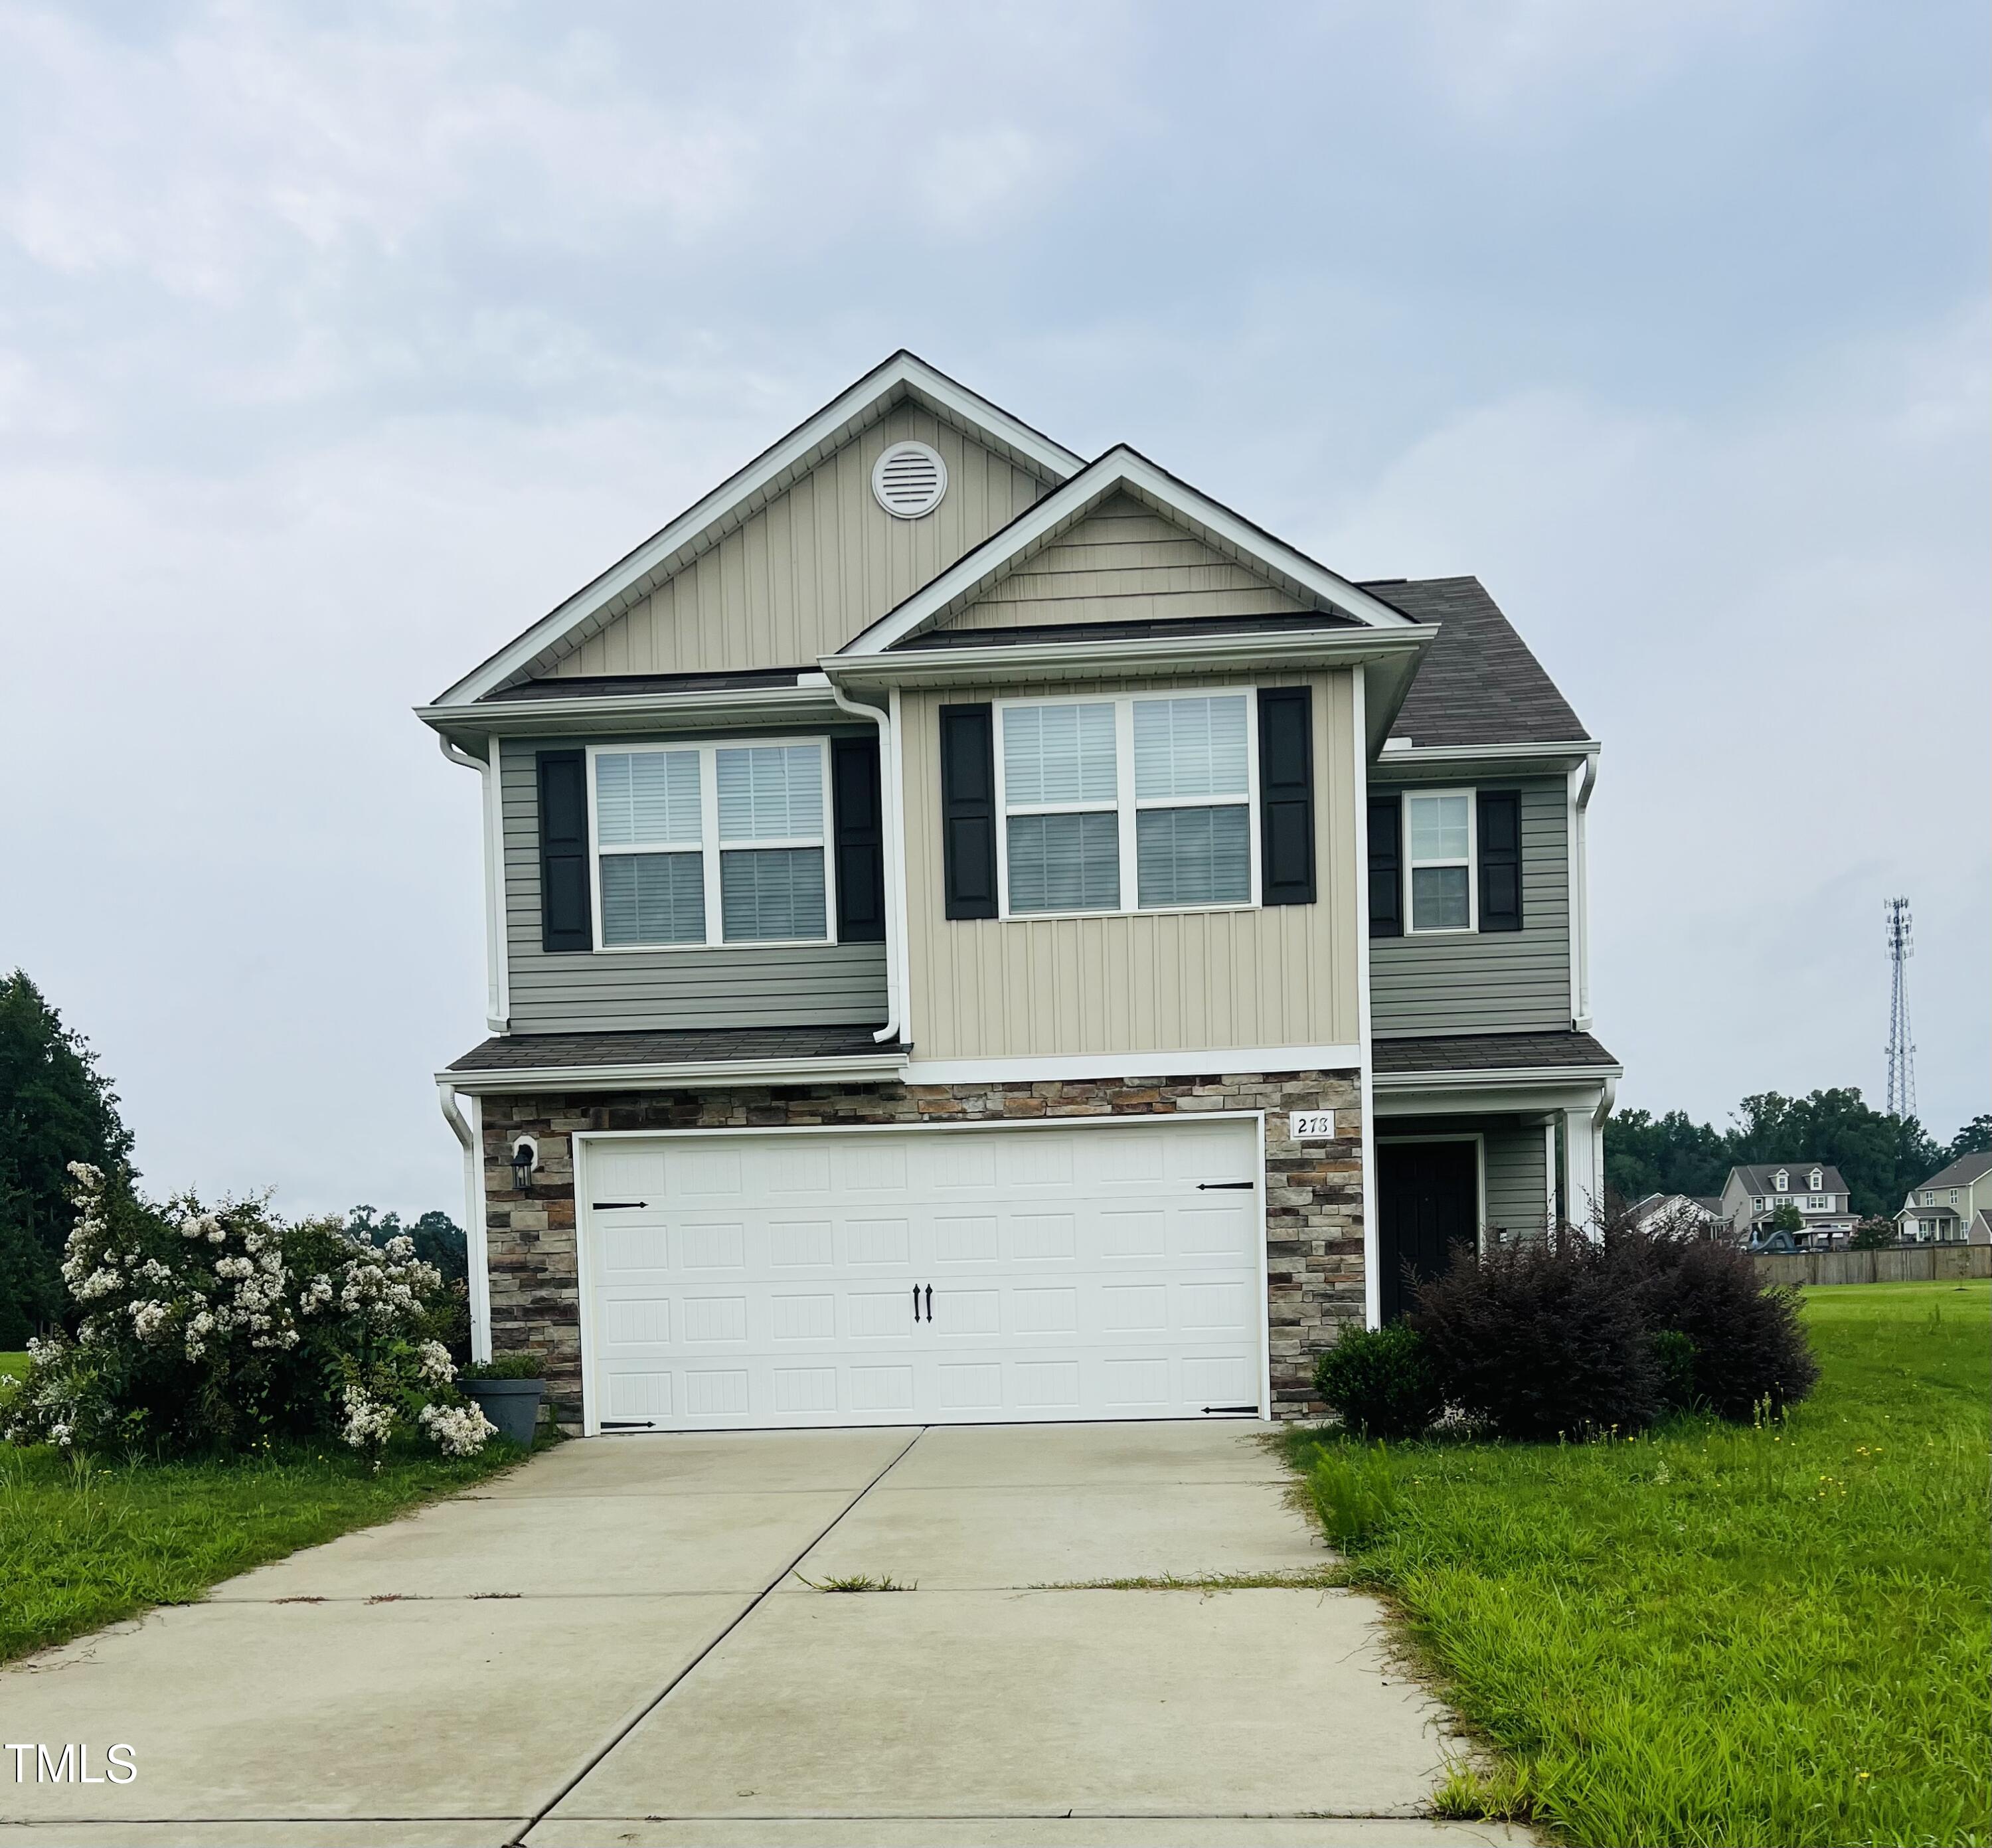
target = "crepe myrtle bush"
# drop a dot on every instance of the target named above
(206, 1330)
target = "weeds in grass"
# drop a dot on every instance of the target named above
(1472, 1795)
(857, 1582)
(1307, 1578)
(1777, 1633)
(1354, 1491)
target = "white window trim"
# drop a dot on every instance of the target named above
(710, 845)
(1125, 805)
(1472, 863)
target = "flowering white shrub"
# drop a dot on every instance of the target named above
(213, 1329)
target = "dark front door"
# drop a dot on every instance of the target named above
(1429, 1203)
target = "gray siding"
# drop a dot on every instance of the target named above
(1517, 1181)
(1497, 982)
(834, 984)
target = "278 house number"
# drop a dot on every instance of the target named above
(1311, 1126)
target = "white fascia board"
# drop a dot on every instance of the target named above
(1009, 661)
(903, 375)
(596, 713)
(1120, 468)
(719, 1075)
(1555, 753)
(1221, 1061)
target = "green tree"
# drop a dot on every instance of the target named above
(1974, 1139)
(56, 1107)
(1785, 1217)
(1881, 1156)
(1667, 1155)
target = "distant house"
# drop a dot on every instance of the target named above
(1703, 1211)
(1752, 1195)
(1953, 1206)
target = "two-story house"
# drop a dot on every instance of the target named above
(1954, 1205)
(980, 934)
(1752, 1194)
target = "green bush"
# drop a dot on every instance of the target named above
(204, 1331)
(1355, 1493)
(506, 1366)
(1673, 1361)
(1381, 1382)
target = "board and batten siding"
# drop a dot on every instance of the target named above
(1142, 981)
(1123, 563)
(1514, 981)
(588, 991)
(819, 563)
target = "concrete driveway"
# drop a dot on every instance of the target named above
(614, 1644)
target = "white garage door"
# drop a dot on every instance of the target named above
(923, 1276)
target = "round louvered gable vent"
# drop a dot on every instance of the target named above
(909, 478)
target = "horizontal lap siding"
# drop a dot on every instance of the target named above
(1495, 981)
(833, 984)
(1139, 982)
(1123, 564)
(1517, 1180)
(816, 565)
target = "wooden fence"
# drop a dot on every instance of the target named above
(1903, 1264)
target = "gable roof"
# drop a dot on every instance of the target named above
(1478, 683)
(1756, 1178)
(1961, 1173)
(701, 526)
(1123, 470)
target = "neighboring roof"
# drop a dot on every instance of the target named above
(1910, 1210)
(1712, 1202)
(1756, 1176)
(1961, 1173)
(1125, 470)
(1653, 1204)
(703, 524)
(527, 1052)
(1477, 684)
(1489, 1052)
(1126, 632)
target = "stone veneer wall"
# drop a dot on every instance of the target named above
(1314, 1190)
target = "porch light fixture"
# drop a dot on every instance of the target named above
(525, 1158)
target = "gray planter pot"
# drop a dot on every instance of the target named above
(512, 1405)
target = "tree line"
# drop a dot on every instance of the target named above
(1881, 1156)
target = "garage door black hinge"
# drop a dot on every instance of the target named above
(613, 1206)
(1211, 1187)
(627, 1424)
(1253, 1409)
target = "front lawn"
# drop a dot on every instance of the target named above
(1716, 1635)
(82, 1545)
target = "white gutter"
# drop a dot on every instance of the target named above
(497, 972)
(856, 1068)
(476, 1247)
(1446, 1080)
(888, 828)
(1396, 752)
(591, 712)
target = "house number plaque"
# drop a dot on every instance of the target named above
(1311, 1126)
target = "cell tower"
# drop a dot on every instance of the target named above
(1901, 1049)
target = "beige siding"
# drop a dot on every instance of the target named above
(1123, 563)
(1140, 982)
(816, 565)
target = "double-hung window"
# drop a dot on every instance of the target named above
(1439, 839)
(1126, 804)
(711, 844)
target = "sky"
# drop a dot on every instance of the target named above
(338, 343)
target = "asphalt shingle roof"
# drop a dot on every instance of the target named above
(1478, 685)
(541, 1051)
(1487, 1053)
(1798, 1175)
(1961, 1173)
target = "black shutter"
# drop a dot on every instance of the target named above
(1386, 866)
(1500, 859)
(566, 919)
(861, 840)
(1286, 796)
(968, 810)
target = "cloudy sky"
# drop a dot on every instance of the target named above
(337, 343)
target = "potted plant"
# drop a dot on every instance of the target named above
(507, 1389)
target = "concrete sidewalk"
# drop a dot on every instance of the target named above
(614, 1644)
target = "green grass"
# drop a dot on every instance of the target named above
(82, 1545)
(1714, 1634)
(13, 1365)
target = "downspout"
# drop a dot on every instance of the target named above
(1581, 855)
(476, 1252)
(497, 984)
(1373, 1246)
(888, 795)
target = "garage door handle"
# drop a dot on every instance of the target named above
(1210, 1186)
(916, 1302)
(929, 1302)
(614, 1206)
